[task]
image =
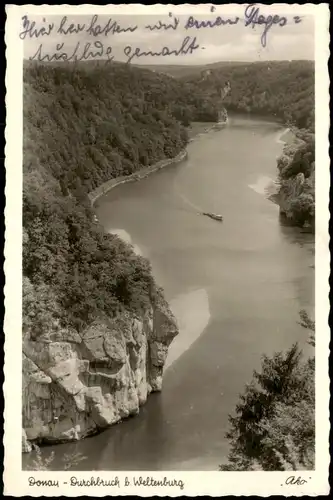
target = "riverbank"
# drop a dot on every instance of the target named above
(143, 173)
(200, 128)
(294, 194)
(252, 273)
(190, 309)
(283, 136)
(136, 176)
(268, 186)
(287, 136)
(190, 325)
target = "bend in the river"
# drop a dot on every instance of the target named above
(236, 289)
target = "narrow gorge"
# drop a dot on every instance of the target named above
(97, 326)
(75, 384)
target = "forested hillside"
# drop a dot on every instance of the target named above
(83, 126)
(187, 70)
(285, 91)
(296, 167)
(275, 88)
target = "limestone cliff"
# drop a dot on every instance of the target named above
(76, 384)
(296, 199)
(296, 195)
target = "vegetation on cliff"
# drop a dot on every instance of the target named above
(274, 425)
(84, 125)
(40, 463)
(296, 168)
(284, 89)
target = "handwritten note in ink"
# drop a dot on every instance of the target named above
(166, 229)
(155, 38)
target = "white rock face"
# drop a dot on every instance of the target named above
(74, 385)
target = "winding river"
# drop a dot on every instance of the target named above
(236, 289)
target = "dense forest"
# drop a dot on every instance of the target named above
(87, 123)
(84, 125)
(285, 91)
(279, 88)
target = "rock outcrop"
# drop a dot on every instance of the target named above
(296, 199)
(77, 384)
(296, 166)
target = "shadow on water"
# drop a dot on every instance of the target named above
(121, 446)
(305, 240)
(130, 438)
(297, 235)
(256, 272)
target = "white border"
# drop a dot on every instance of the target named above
(196, 483)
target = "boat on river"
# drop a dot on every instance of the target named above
(213, 216)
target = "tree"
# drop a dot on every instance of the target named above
(309, 324)
(41, 463)
(296, 168)
(303, 209)
(281, 88)
(274, 425)
(85, 125)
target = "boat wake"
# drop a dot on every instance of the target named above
(192, 206)
(195, 208)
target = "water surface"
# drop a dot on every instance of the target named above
(236, 289)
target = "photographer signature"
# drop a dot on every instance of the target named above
(296, 481)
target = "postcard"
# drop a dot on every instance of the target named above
(167, 250)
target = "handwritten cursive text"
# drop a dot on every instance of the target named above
(158, 26)
(188, 46)
(194, 23)
(101, 27)
(253, 17)
(30, 29)
(110, 26)
(88, 51)
(293, 480)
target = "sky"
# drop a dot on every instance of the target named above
(220, 43)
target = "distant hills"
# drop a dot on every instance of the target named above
(180, 70)
(85, 124)
(184, 70)
(280, 89)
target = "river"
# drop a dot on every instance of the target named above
(236, 289)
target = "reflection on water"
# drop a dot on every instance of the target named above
(255, 276)
(192, 313)
(299, 236)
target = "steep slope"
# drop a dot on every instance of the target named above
(284, 89)
(297, 181)
(96, 328)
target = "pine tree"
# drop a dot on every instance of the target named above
(274, 423)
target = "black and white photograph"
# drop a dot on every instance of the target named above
(166, 257)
